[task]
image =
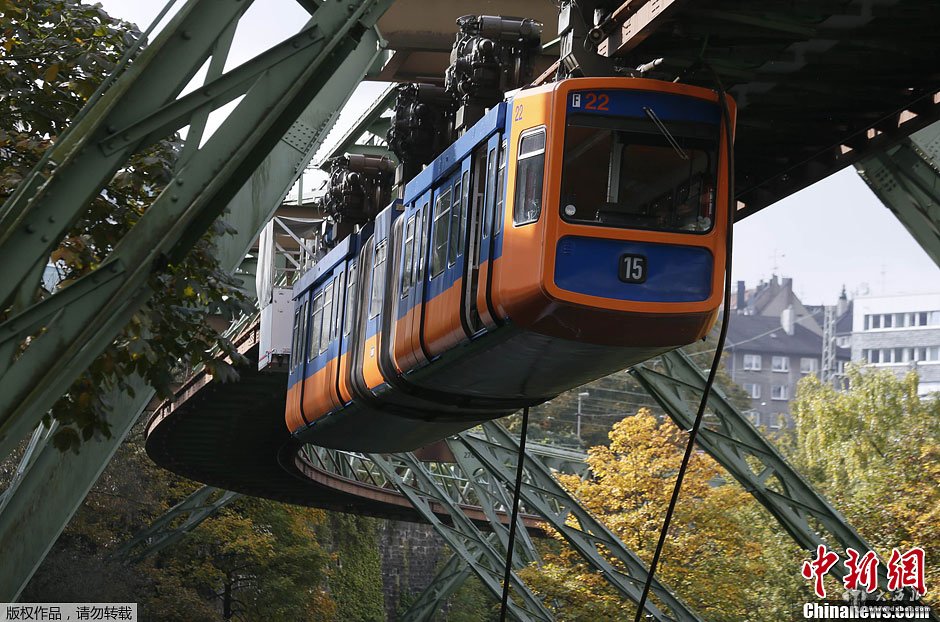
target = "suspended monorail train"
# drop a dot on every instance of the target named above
(576, 229)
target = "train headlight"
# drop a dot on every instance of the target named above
(570, 210)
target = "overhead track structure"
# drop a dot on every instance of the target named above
(247, 166)
(819, 85)
(906, 178)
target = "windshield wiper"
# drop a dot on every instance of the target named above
(665, 132)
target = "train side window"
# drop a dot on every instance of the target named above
(407, 271)
(378, 279)
(295, 355)
(490, 191)
(439, 242)
(464, 208)
(350, 299)
(421, 241)
(327, 317)
(500, 188)
(530, 169)
(316, 321)
(455, 212)
(337, 306)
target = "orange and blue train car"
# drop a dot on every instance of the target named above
(577, 229)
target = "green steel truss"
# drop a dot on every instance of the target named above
(162, 533)
(497, 450)
(733, 441)
(447, 581)
(906, 178)
(140, 108)
(246, 167)
(484, 557)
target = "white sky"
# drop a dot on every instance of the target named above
(833, 233)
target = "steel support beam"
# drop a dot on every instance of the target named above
(29, 527)
(733, 441)
(51, 490)
(447, 581)
(907, 180)
(543, 495)
(484, 557)
(83, 319)
(194, 509)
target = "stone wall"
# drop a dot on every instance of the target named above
(410, 554)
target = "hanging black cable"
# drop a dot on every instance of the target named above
(723, 332)
(515, 514)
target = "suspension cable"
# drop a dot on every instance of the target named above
(515, 514)
(722, 334)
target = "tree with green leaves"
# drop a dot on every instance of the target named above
(874, 451)
(53, 56)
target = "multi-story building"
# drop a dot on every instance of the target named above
(900, 333)
(774, 341)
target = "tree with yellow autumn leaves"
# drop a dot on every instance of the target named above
(872, 450)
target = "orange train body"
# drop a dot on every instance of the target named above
(575, 230)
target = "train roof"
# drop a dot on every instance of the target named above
(342, 251)
(451, 157)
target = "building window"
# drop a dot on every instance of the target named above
(752, 362)
(780, 363)
(778, 392)
(752, 390)
(809, 365)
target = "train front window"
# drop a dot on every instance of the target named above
(640, 173)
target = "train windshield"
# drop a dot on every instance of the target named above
(640, 173)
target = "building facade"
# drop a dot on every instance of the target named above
(900, 333)
(774, 341)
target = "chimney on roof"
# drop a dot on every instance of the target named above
(788, 283)
(740, 303)
(787, 320)
(843, 304)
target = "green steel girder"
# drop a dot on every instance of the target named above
(544, 496)
(907, 180)
(59, 189)
(83, 327)
(494, 497)
(733, 441)
(194, 509)
(447, 581)
(30, 524)
(51, 490)
(370, 121)
(37, 441)
(484, 557)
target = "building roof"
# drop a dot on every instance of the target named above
(765, 335)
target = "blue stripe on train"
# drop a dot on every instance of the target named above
(674, 273)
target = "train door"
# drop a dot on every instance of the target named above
(296, 416)
(488, 226)
(346, 351)
(475, 198)
(410, 351)
(320, 391)
(443, 328)
(372, 297)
